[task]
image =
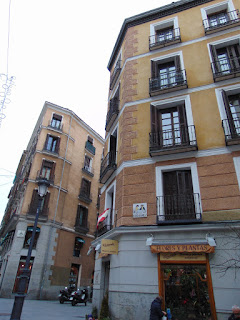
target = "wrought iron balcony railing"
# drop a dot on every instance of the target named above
(88, 169)
(112, 113)
(85, 196)
(169, 81)
(108, 166)
(175, 140)
(163, 39)
(90, 147)
(231, 131)
(115, 74)
(55, 125)
(81, 227)
(40, 177)
(103, 229)
(179, 208)
(226, 68)
(42, 214)
(227, 20)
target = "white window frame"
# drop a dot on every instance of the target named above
(168, 103)
(236, 161)
(173, 22)
(195, 182)
(111, 189)
(168, 57)
(215, 8)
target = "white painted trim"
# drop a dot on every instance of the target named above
(195, 182)
(162, 25)
(112, 189)
(236, 161)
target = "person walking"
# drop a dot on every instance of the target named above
(156, 312)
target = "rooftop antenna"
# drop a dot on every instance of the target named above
(6, 82)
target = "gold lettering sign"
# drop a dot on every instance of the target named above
(182, 248)
(109, 246)
(188, 256)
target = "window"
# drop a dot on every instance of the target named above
(85, 191)
(56, 121)
(171, 129)
(87, 163)
(35, 203)
(164, 33)
(82, 217)
(52, 144)
(116, 72)
(28, 237)
(89, 145)
(231, 125)
(226, 60)
(78, 244)
(178, 193)
(167, 75)
(219, 16)
(47, 170)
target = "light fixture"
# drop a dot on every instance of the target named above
(42, 188)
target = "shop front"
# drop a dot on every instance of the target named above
(184, 280)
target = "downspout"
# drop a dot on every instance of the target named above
(55, 213)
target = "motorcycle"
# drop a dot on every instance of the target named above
(65, 294)
(79, 296)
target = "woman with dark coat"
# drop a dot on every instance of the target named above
(156, 312)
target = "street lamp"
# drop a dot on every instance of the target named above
(25, 276)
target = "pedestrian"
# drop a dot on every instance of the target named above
(156, 312)
(235, 313)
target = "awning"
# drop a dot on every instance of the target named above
(80, 240)
(31, 229)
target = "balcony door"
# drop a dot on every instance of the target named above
(232, 107)
(178, 195)
(169, 126)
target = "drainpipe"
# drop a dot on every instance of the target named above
(55, 213)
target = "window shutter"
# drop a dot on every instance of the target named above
(216, 66)
(154, 69)
(154, 119)
(226, 105)
(34, 202)
(46, 141)
(57, 117)
(58, 145)
(45, 204)
(52, 171)
(177, 63)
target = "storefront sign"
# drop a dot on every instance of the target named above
(109, 246)
(188, 256)
(139, 210)
(182, 248)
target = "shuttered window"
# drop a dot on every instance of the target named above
(35, 202)
(52, 143)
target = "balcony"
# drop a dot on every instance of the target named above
(225, 69)
(228, 20)
(55, 125)
(41, 178)
(168, 82)
(178, 140)
(112, 113)
(115, 74)
(85, 196)
(165, 39)
(102, 228)
(108, 166)
(81, 227)
(231, 131)
(90, 147)
(178, 209)
(88, 170)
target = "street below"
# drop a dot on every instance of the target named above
(45, 310)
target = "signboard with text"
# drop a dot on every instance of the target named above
(182, 248)
(109, 246)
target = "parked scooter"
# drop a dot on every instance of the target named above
(79, 296)
(65, 294)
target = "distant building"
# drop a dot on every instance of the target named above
(66, 152)
(171, 166)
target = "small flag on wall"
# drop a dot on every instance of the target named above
(103, 216)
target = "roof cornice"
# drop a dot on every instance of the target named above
(151, 15)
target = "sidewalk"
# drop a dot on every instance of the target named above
(45, 310)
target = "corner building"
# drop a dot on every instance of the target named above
(171, 167)
(64, 151)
